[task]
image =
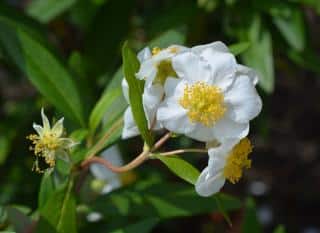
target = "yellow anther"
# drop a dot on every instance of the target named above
(238, 160)
(174, 49)
(205, 103)
(155, 51)
(165, 70)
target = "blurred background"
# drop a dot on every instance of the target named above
(279, 38)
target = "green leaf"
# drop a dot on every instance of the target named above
(143, 226)
(109, 135)
(47, 188)
(130, 68)
(174, 15)
(239, 48)
(280, 229)
(59, 213)
(161, 200)
(168, 38)
(259, 56)
(292, 27)
(113, 102)
(79, 135)
(18, 219)
(14, 18)
(46, 10)
(5, 144)
(251, 223)
(43, 69)
(222, 210)
(181, 168)
(307, 59)
(106, 33)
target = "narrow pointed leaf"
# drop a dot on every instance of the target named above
(46, 10)
(130, 68)
(239, 48)
(181, 168)
(251, 223)
(43, 69)
(59, 213)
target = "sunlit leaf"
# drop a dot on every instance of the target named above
(181, 168)
(46, 10)
(59, 213)
(47, 188)
(292, 27)
(239, 48)
(260, 55)
(130, 68)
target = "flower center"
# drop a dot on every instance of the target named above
(42, 146)
(164, 70)
(204, 103)
(237, 161)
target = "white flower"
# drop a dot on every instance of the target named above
(158, 67)
(49, 142)
(155, 68)
(226, 162)
(107, 178)
(213, 98)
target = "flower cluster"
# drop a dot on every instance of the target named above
(48, 143)
(203, 93)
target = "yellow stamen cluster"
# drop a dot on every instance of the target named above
(45, 147)
(237, 161)
(155, 51)
(174, 49)
(204, 103)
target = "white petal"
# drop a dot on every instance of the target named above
(227, 128)
(144, 54)
(174, 118)
(207, 185)
(223, 149)
(243, 100)
(147, 71)
(202, 133)
(152, 97)
(67, 143)
(223, 66)
(57, 129)
(190, 67)
(45, 121)
(252, 74)
(216, 46)
(113, 155)
(130, 128)
(38, 128)
(170, 85)
(113, 184)
(125, 89)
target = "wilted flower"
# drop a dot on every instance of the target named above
(48, 143)
(212, 98)
(226, 162)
